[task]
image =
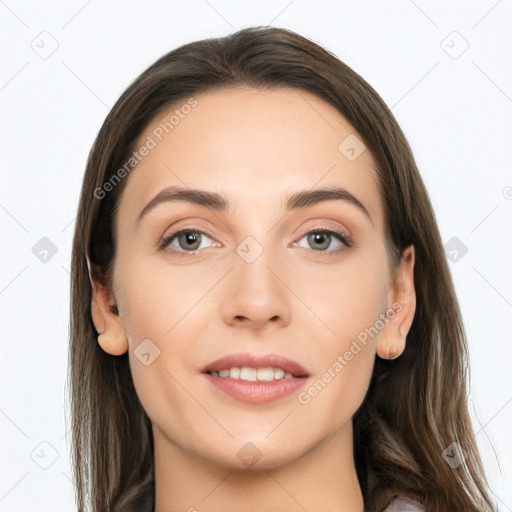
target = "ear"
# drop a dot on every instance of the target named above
(105, 316)
(401, 306)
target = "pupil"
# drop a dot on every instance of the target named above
(317, 239)
(189, 238)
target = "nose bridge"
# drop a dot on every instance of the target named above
(256, 294)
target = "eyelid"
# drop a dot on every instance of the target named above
(326, 226)
(187, 227)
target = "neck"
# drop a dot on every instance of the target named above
(322, 479)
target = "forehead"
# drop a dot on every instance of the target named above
(253, 145)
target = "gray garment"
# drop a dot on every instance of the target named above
(403, 504)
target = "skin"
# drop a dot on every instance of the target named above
(303, 302)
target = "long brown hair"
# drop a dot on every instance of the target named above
(416, 405)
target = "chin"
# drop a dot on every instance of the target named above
(252, 454)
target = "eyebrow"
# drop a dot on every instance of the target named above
(217, 202)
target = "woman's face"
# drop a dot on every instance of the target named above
(256, 275)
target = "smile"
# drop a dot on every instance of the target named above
(255, 378)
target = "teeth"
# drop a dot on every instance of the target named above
(253, 374)
(248, 374)
(278, 373)
(265, 374)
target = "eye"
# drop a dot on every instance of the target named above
(320, 240)
(184, 240)
(191, 240)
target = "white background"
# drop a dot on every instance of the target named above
(456, 113)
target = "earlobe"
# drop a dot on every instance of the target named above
(113, 345)
(111, 334)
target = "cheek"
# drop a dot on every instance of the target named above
(334, 395)
(345, 298)
(349, 299)
(162, 309)
(155, 298)
(345, 353)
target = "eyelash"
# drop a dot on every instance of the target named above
(164, 243)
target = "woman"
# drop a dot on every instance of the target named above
(262, 313)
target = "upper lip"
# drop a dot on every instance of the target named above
(256, 361)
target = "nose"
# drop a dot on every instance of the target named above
(256, 295)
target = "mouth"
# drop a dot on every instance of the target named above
(255, 378)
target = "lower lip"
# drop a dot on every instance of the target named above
(256, 392)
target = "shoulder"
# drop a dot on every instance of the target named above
(403, 504)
